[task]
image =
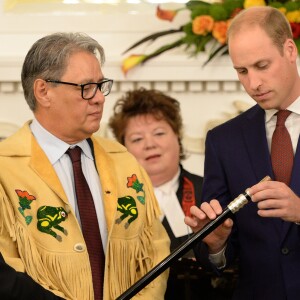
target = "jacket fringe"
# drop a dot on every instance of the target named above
(133, 258)
(7, 216)
(48, 269)
(55, 271)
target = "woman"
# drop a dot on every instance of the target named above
(149, 124)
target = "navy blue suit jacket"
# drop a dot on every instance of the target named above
(268, 249)
(19, 286)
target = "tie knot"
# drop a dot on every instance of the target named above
(282, 116)
(75, 154)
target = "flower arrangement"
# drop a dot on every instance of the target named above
(208, 27)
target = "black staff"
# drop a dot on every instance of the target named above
(234, 206)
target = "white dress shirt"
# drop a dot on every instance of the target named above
(292, 123)
(55, 149)
(170, 206)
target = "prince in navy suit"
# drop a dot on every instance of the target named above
(263, 235)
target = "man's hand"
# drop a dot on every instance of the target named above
(216, 240)
(276, 200)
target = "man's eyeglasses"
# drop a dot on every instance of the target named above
(88, 90)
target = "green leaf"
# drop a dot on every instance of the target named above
(231, 5)
(153, 37)
(194, 4)
(218, 12)
(297, 42)
(164, 49)
(141, 199)
(291, 5)
(214, 53)
(199, 11)
(276, 4)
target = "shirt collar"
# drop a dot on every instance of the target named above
(294, 107)
(171, 185)
(53, 146)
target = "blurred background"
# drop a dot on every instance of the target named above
(208, 95)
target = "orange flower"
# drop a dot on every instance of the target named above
(25, 194)
(132, 61)
(131, 180)
(202, 25)
(220, 31)
(165, 14)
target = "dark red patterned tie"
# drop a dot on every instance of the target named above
(282, 154)
(89, 223)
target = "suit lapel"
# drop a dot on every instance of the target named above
(255, 138)
(256, 142)
(294, 185)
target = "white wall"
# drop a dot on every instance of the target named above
(205, 94)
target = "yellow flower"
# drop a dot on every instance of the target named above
(202, 25)
(282, 10)
(165, 14)
(250, 3)
(293, 16)
(132, 61)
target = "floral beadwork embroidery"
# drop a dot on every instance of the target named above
(25, 200)
(127, 205)
(133, 182)
(49, 217)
